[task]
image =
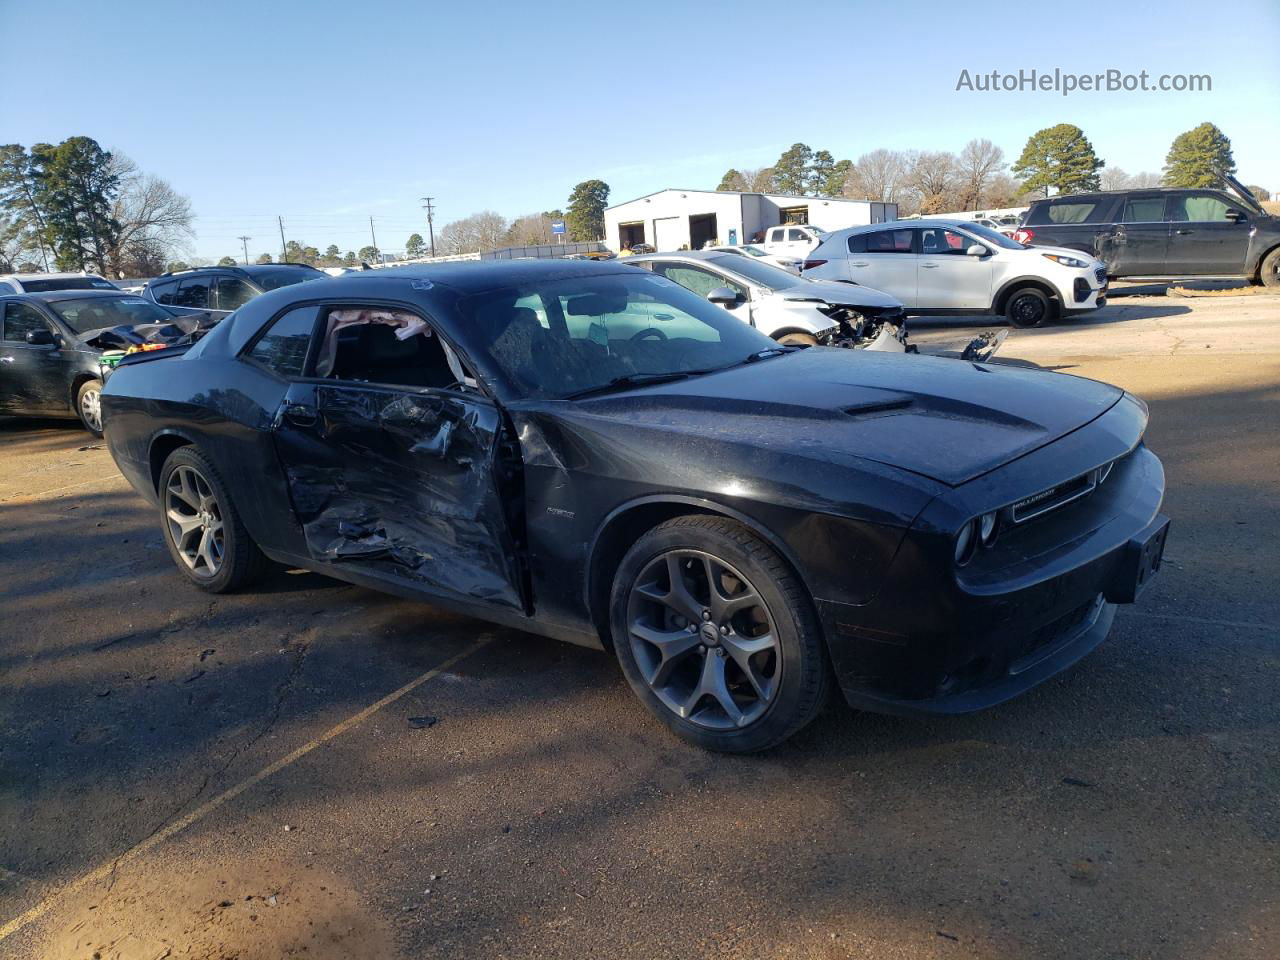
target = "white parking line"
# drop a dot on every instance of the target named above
(106, 869)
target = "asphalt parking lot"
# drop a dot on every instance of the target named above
(316, 770)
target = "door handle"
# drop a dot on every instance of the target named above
(929, 266)
(1183, 233)
(859, 263)
(300, 414)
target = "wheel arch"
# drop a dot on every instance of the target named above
(1256, 272)
(631, 520)
(78, 381)
(781, 332)
(1009, 287)
(162, 446)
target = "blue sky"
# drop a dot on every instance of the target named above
(331, 112)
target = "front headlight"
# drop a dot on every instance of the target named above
(987, 528)
(966, 540)
(1066, 261)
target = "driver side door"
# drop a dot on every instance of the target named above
(395, 470)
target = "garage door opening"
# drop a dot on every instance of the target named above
(629, 234)
(702, 231)
(794, 214)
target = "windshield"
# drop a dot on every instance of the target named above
(765, 274)
(993, 236)
(97, 313)
(67, 283)
(277, 277)
(556, 338)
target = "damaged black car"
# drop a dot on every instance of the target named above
(594, 453)
(57, 348)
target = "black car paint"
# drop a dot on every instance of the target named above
(251, 276)
(858, 468)
(42, 379)
(1164, 247)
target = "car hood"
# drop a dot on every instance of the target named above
(839, 294)
(945, 419)
(128, 335)
(1061, 252)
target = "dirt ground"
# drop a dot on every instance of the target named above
(315, 770)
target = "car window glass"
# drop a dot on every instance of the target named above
(858, 243)
(778, 235)
(936, 240)
(1143, 210)
(163, 292)
(1070, 212)
(889, 241)
(20, 319)
(233, 293)
(696, 279)
(283, 348)
(534, 302)
(192, 293)
(7, 288)
(796, 235)
(1198, 208)
(386, 346)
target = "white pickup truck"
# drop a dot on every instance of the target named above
(792, 239)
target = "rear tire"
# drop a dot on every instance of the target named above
(1028, 307)
(743, 667)
(1269, 271)
(89, 406)
(202, 528)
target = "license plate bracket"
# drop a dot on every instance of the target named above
(1139, 563)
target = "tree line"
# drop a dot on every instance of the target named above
(75, 206)
(1057, 159)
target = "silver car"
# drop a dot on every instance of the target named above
(787, 308)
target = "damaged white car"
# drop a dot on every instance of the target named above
(787, 308)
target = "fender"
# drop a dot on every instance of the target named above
(591, 581)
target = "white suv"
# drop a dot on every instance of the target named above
(43, 282)
(959, 267)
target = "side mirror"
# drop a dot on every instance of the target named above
(1235, 216)
(725, 296)
(40, 338)
(975, 250)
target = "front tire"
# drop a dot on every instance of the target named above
(717, 636)
(89, 406)
(1269, 271)
(202, 528)
(1028, 307)
(798, 339)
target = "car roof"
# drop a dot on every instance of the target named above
(901, 225)
(478, 276)
(683, 254)
(20, 277)
(51, 296)
(238, 268)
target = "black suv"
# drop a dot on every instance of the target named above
(220, 290)
(1163, 233)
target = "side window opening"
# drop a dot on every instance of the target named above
(380, 345)
(20, 319)
(283, 348)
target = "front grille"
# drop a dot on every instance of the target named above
(1053, 636)
(1038, 504)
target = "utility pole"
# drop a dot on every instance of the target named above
(374, 237)
(283, 247)
(245, 241)
(431, 232)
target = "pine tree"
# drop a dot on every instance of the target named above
(1199, 158)
(1059, 157)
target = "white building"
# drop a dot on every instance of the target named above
(671, 219)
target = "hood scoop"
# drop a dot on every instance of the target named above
(872, 407)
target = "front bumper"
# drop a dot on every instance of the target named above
(1043, 598)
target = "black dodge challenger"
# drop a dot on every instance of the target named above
(593, 453)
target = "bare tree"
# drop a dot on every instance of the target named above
(529, 230)
(978, 162)
(1004, 191)
(155, 222)
(877, 175)
(474, 234)
(759, 180)
(931, 176)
